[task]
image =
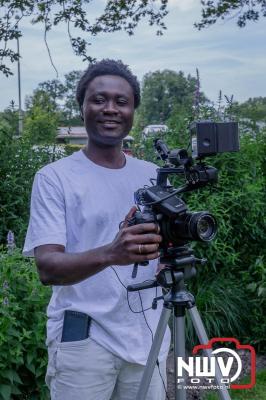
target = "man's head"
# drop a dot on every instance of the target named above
(107, 94)
(107, 67)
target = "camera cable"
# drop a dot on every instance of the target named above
(145, 319)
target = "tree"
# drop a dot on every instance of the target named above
(9, 119)
(71, 109)
(54, 88)
(253, 109)
(164, 94)
(243, 10)
(117, 15)
(59, 96)
(42, 117)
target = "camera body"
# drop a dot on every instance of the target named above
(161, 203)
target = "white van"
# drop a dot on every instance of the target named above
(152, 130)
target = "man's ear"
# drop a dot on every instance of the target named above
(81, 113)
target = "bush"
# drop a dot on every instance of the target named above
(236, 256)
(222, 304)
(19, 161)
(71, 148)
(23, 355)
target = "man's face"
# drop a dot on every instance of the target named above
(108, 109)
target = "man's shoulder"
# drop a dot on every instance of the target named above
(63, 164)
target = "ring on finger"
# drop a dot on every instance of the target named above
(140, 248)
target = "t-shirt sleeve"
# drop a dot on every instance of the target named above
(47, 223)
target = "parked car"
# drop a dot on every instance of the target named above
(153, 130)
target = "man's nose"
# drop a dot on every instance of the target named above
(110, 107)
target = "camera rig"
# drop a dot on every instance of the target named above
(161, 203)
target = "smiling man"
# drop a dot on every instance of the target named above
(98, 335)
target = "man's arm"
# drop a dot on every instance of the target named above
(59, 268)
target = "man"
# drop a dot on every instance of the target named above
(98, 334)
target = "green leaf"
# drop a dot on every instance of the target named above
(15, 390)
(30, 357)
(8, 374)
(16, 377)
(5, 391)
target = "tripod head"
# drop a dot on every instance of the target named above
(180, 266)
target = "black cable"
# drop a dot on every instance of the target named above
(165, 389)
(134, 312)
(145, 319)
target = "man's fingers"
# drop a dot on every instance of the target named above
(143, 228)
(147, 238)
(129, 215)
(147, 257)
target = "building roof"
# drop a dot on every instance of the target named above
(71, 132)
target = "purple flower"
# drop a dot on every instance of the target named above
(5, 301)
(10, 238)
(5, 285)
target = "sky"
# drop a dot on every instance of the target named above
(229, 58)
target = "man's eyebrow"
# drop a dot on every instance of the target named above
(103, 93)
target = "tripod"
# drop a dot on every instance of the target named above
(179, 300)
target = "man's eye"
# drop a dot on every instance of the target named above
(99, 100)
(121, 101)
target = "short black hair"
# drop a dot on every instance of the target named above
(107, 67)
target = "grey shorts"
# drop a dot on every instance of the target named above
(84, 370)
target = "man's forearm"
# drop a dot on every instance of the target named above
(132, 244)
(60, 268)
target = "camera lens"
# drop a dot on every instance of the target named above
(199, 226)
(202, 226)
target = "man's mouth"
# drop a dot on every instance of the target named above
(110, 123)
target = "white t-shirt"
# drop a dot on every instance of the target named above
(79, 204)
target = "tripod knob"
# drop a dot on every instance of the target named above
(201, 261)
(155, 301)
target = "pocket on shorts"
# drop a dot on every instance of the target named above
(74, 343)
(73, 357)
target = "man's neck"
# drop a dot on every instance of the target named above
(110, 157)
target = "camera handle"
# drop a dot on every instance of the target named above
(179, 300)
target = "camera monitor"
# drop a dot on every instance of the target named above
(209, 138)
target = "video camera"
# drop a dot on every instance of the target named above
(161, 202)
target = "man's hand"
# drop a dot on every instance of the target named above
(135, 243)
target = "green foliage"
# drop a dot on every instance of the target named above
(253, 109)
(19, 161)
(256, 393)
(239, 249)
(42, 117)
(71, 148)
(62, 96)
(40, 127)
(9, 120)
(223, 315)
(71, 110)
(23, 355)
(165, 94)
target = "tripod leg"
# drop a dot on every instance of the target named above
(203, 338)
(179, 346)
(154, 352)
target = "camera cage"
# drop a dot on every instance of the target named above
(162, 205)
